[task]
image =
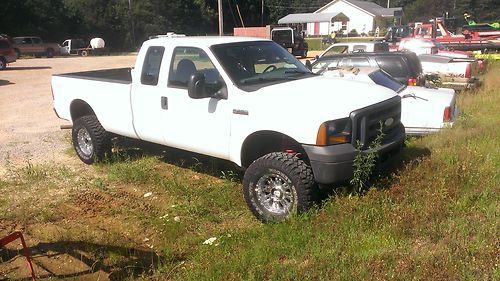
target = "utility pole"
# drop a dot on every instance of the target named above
(262, 13)
(388, 3)
(221, 25)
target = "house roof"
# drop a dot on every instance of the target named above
(369, 7)
(312, 17)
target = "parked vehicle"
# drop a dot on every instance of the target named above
(349, 47)
(7, 53)
(469, 40)
(30, 45)
(242, 99)
(291, 40)
(430, 46)
(403, 66)
(457, 73)
(79, 47)
(423, 110)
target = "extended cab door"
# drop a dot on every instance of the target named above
(146, 96)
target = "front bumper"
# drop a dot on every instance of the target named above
(334, 163)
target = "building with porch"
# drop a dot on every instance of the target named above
(342, 16)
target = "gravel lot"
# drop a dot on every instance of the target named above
(29, 129)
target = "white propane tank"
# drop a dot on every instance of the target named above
(97, 43)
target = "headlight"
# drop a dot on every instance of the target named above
(334, 132)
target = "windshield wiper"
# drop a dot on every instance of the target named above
(264, 79)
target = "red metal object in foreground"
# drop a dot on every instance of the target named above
(18, 235)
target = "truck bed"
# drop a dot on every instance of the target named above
(115, 75)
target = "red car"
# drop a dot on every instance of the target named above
(7, 53)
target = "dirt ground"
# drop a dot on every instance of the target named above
(30, 134)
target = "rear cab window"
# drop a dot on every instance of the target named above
(151, 66)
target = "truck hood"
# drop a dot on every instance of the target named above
(307, 103)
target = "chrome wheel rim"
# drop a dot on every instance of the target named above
(276, 193)
(85, 142)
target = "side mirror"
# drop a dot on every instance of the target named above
(199, 89)
(309, 65)
(196, 86)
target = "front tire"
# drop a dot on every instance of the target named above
(90, 140)
(277, 186)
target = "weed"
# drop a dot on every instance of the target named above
(364, 162)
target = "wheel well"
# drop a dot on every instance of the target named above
(261, 143)
(79, 108)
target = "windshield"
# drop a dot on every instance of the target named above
(382, 78)
(259, 63)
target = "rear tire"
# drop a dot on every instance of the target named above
(277, 186)
(90, 140)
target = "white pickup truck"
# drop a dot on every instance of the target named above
(241, 99)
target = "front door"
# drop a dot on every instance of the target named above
(199, 125)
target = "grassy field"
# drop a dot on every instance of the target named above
(433, 215)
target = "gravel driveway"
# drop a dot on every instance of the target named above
(29, 129)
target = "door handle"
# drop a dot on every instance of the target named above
(164, 103)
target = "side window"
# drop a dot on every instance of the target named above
(26, 41)
(187, 61)
(151, 66)
(393, 65)
(36, 40)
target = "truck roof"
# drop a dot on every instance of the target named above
(205, 41)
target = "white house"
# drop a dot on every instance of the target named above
(343, 16)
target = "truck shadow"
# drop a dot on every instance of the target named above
(84, 260)
(126, 148)
(381, 177)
